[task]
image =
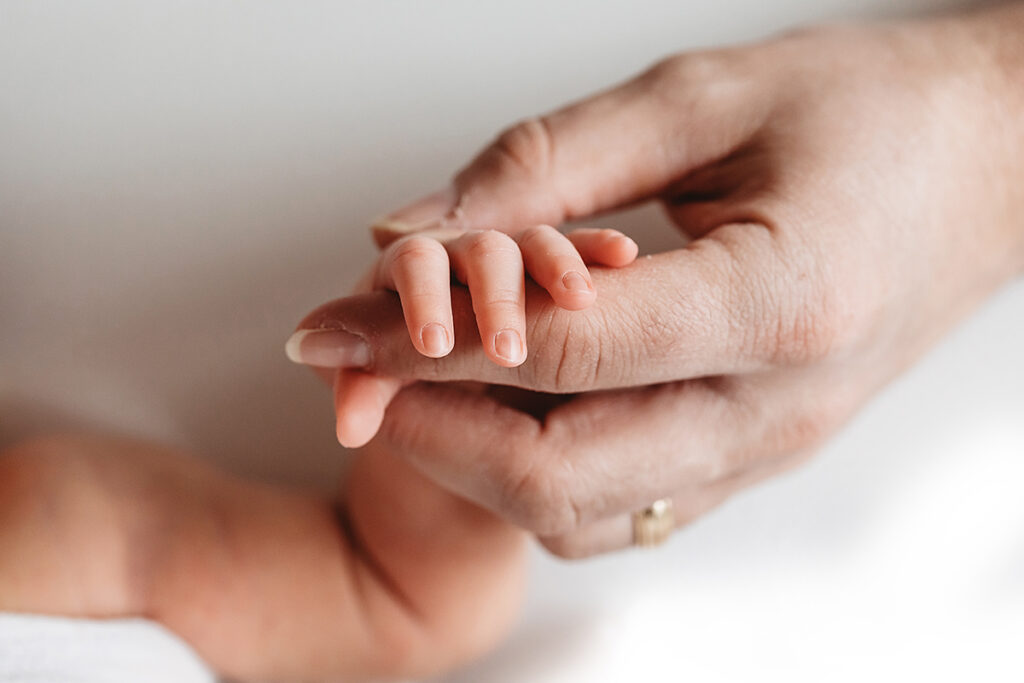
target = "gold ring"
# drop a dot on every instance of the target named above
(654, 524)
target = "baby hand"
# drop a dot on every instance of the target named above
(493, 265)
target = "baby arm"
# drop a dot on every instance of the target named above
(264, 582)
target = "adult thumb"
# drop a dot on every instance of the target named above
(614, 148)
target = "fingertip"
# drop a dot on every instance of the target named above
(359, 404)
(618, 250)
(508, 348)
(356, 422)
(574, 291)
(434, 341)
(577, 284)
(355, 429)
(606, 247)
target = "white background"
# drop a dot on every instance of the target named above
(180, 182)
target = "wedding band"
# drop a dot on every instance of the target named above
(654, 524)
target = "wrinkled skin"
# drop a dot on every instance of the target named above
(851, 192)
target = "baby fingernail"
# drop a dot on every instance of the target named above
(328, 349)
(435, 339)
(508, 345)
(420, 214)
(575, 282)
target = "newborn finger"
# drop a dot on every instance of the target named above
(360, 400)
(555, 264)
(604, 247)
(490, 263)
(417, 268)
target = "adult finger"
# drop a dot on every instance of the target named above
(616, 532)
(599, 455)
(617, 147)
(728, 303)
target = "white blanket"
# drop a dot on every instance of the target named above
(38, 649)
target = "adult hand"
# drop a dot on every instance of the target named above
(851, 192)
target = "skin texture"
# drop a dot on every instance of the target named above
(265, 583)
(851, 193)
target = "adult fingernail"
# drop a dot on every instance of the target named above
(420, 214)
(328, 349)
(508, 345)
(435, 339)
(575, 282)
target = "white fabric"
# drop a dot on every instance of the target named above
(40, 649)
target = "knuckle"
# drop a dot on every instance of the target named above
(567, 546)
(784, 423)
(572, 352)
(806, 429)
(667, 69)
(816, 320)
(490, 243)
(788, 306)
(677, 79)
(528, 146)
(536, 496)
(416, 249)
(504, 301)
(676, 70)
(807, 336)
(530, 235)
